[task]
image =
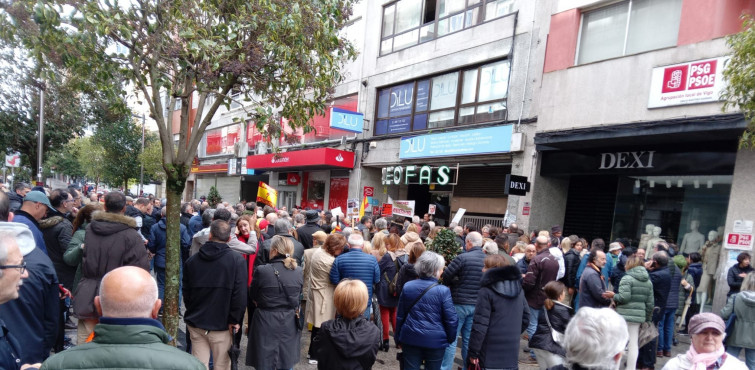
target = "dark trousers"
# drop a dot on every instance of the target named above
(313, 344)
(646, 357)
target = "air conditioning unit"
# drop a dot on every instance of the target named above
(260, 148)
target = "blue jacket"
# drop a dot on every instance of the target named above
(676, 280)
(10, 358)
(661, 280)
(468, 268)
(356, 264)
(522, 264)
(432, 322)
(33, 318)
(696, 270)
(158, 238)
(26, 219)
(195, 224)
(591, 288)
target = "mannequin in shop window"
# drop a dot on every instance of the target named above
(711, 253)
(647, 235)
(655, 238)
(693, 240)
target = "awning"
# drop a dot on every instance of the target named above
(310, 159)
(210, 168)
(725, 127)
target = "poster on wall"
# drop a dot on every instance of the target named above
(403, 208)
(267, 195)
(695, 82)
(740, 241)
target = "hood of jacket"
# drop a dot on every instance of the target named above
(505, 281)
(51, 221)
(348, 336)
(161, 224)
(748, 297)
(211, 251)
(639, 273)
(106, 223)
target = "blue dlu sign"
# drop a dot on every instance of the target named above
(346, 120)
(486, 140)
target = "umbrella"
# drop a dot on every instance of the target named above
(687, 303)
(235, 350)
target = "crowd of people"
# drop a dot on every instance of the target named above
(271, 275)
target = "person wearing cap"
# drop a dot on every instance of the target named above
(305, 232)
(34, 208)
(706, 351)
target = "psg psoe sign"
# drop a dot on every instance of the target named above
(696, 82)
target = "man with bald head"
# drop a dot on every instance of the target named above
(128, 334)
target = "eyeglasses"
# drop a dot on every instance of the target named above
(21, 267)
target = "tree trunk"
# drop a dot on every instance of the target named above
(175, 187)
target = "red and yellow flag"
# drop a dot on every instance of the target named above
(267, 195)
(363, 207)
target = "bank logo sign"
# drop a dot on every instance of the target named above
(346, 120)
(488, 140)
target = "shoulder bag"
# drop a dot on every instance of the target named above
(299, 325)
(557, 336)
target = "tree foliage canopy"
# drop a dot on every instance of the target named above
(740, 76)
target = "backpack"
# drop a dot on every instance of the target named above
(399, 261)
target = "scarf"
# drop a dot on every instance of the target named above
(602, 278)
(701, 361)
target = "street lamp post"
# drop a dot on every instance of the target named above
(141, 161)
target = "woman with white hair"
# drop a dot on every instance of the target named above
(707, 331)
(595, 339)
(426, 318)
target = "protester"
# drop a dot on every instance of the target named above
(737, 273)
(214, 291)
(75, 252)
(552, 321)
(501, 315)
(304, 233)
(634, 302)
(12, 273)
(543, 268)
(426, 320)
(128, 334)
(666, 324)
(592, 286)
(595, 339)
(282, 228)
(274, 333)
(356, 265)
(320, 308)
(407, 272)
(661, 279)
(158, 240)
(386, 292)
(234, 243)
(706, 351)
(349, 341)
(742, 305)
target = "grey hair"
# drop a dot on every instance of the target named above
(347, 231)
(415, 219)
(163, 210)
(475, 238)
(5, 237)
(282, 226)
(489, 247)
(356, 240)
(381, 223)
(138, 307)
(594, 337)
(428, 264)
(458, 230)
(207, 217)
(748, 284)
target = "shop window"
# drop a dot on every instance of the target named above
(469, 96)
(409, 22)
(628, 27)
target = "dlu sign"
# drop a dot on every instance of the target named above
(643, 159)
(516, 185)
(422, 175)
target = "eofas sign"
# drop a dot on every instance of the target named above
(422, 175)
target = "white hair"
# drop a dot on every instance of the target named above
(428, 264)
(431, 224)
(415, 219)
(475, 238)
(594, 337)
(356, 240)
(136, 307)
(490, 247)
(6, 237)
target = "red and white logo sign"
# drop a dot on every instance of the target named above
(695, 82)
(369, 191)
(739, 241)
(13, 160)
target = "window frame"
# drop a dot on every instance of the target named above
(481, 5)
(456, 107)
(626, 32)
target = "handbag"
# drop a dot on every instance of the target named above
(557, 336)
(297, 316)
(648, 332)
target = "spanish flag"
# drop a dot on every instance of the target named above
(363, 207)
(267, 195)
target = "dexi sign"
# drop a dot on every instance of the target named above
(346, 120)
(643, 159)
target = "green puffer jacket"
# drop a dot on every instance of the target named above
(634, 301)
(125, 347)
(74, 254)
(744, 326)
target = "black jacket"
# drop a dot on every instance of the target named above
(661, 280)
(10, 350)
(501, 315)
(214, 287)
(468, 268)
(405, 275)
(571, 262)
(305, 233)
(347, 344)
(388, 269)
(16, 201)
(735, 282)
(185, 217)
(618, 271)
(58, 231)
(559, 317)
(263, 253)
(33, 318)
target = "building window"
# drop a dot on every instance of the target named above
(409, 22)
(628, 27)
(471, 95)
